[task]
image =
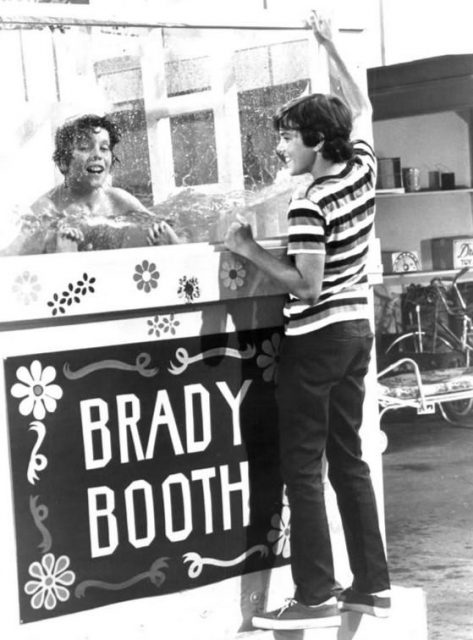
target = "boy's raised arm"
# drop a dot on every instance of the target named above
(354, 95)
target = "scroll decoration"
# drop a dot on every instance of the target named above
(197, 562)
(38, 462)
(156, 575)
(40, 513)
(140, 366)
(185, 359)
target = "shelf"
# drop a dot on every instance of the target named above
(424, 275)
(431, 85)
(424, 192)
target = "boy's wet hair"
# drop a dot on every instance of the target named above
(319, 117)
(67, 134)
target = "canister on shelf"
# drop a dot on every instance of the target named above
(434, 180)
(411, 179)
(389, 173)
(447, 180)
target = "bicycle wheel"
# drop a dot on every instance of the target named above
(458, 412)
(441, 354)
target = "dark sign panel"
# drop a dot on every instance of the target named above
(143, 469)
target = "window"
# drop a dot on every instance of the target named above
(193, 107)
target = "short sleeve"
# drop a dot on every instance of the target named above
(365, 152)
(306, 228)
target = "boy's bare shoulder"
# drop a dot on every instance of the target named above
(47, 203)
(124, 200)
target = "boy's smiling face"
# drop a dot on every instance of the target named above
(91, 160)
(297, 157)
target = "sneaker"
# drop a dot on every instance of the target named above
(378, 606)
(295, 615)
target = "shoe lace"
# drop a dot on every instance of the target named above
(290, 602)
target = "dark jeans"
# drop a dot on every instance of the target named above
(320, 396)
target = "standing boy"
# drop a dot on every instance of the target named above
(325, 353)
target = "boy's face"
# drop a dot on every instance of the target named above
(297, 157)
(91, 159)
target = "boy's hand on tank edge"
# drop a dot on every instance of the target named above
(70, 233)
(162, 233)
(239, 237)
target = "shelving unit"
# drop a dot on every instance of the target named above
(423, 113)
(421, 277)
(424, 192)
(434, 90)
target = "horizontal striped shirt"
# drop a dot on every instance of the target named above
(334, 217)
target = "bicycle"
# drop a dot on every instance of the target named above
(447, 307)
(439, 336)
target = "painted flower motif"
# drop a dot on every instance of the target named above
(26, 287)
(146, 276)
(50, 579)
(163, 324)
(70, 295)
(232, 275)
(280, 534)
(188, 288)
(269, 359)
(39, 395)
(85, 285)
(57, 304)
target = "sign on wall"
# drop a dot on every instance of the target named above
(144, 469)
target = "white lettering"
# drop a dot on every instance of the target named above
(106, 513)
(146, 488)
(163, 415)
(204, 476)
(190, 391)
(234, 403)
(129, 422)
(227, 487)
(175, 535)
(98, 426)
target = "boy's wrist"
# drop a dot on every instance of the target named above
(330, 46)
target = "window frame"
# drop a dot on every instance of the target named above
(58, 271)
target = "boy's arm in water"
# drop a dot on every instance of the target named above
(159, 233)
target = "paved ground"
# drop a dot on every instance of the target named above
(428, 476)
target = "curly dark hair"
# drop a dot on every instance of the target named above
(67, 135)
(318, 117)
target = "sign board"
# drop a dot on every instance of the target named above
(463, 253)
(400, 261)
(144, 469)
(453, 252)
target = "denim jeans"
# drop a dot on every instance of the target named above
(320, 396)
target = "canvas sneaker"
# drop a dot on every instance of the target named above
(374, 605)
(295, 615)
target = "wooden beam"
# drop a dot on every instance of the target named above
(431, 85)
(17, 13)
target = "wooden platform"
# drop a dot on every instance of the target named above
(408, 621)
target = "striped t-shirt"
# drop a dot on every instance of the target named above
(334, 217)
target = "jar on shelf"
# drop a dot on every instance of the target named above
(411, 179)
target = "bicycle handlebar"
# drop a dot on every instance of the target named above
(461, 273)
(453, 280)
